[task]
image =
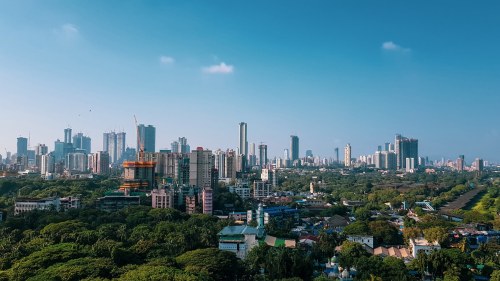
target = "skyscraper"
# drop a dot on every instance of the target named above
(262, 155)
(294, 148)
(22, 146)
(243, 139)
(183, 145)
(347, 155)
(200, 168)
(337, 155)
(174, 147)
(41, 149)
(100, 163)
(147, 138)
(67, 135)
(82, 142)
(405, 148)
(114, 145)
(252, 158)
(461, 163)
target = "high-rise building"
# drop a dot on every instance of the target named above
(114, 145)
(230, 164)
(337, 155)
(174, 147)
(461, 163)
(252, 158)
(243, 139)
(309, 153)
(263, 155)
(82, 142)
(294, 148)
(147, 138)
(183, 145)
(41, 149)
(479, 164)
(22, 146)
(100, 163)
(220, 163)
(67, 135)
(207, 200)
(120, 146)
(347, 155)
(76, 161)
(405, 148)
(47, 164)
(200, 168)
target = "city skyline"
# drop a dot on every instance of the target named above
(355, 73)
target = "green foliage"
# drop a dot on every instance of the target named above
(32, 264)
(351, 253)
(219, 265)
(384, 233)
(148, 272)
(357, 228)
(76, 269)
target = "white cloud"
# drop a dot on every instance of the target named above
(221, 68)
(67, 31)
(166, 60)
(391, 46)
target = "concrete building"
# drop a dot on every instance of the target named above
(294, 148)
(147, 138)
(207, 200)
(262, 155)
(114, 145)
(238, 239)
(200, 168)
(67, 135)
(47, 164)
(100, 163)
(422, 245)
(22, 146)
(460, 163)
(82, 142)
(112, 203)
(362, 239)
(28, 205)
(478, 165)
(77, 162)
(243, 139)
(347, 155)
(261, 189)
(162, 198)
(405, 148)
(70, 202)
(243, 190)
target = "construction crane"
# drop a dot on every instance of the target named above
(141, 144)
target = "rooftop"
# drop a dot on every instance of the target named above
(238, 230)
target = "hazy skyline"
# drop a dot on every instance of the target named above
(330, 72)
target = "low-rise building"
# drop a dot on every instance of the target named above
(362, 239)
(422, 245)
(238, 239)
(400, 253)
(28, 205)
(70, 202)
(111, 203)
(242, 190)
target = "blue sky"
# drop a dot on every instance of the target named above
(331, 72)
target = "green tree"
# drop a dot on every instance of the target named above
(357, 228)
(438, 234)
(219, 265)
